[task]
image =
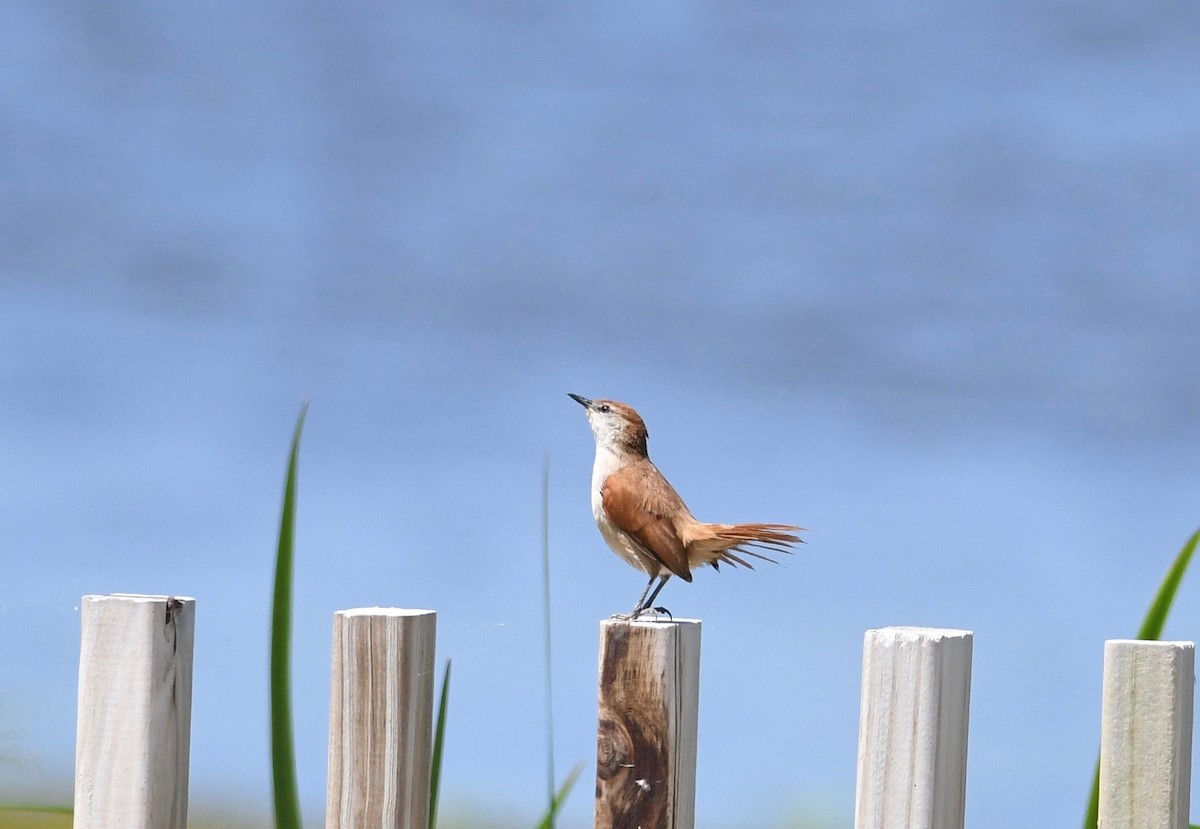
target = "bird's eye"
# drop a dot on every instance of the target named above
(603, 407)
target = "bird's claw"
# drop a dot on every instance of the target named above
(642, 611)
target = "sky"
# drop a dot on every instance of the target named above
(920, 278)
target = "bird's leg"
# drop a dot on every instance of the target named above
(661, 584)
(645, 602)
(641, 602)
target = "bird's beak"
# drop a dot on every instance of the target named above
(582, 401)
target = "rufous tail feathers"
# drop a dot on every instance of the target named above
(728, 543)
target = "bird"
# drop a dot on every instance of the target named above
(647, 524)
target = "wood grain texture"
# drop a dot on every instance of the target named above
(135, 706)
(1146, 734)
(912, 743)
(646, 746)
(380, 719)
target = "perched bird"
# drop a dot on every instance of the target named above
(644, 520)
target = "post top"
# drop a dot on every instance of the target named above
(649, 623)
(1148, 643)
(911, 633)
(384, 611)
(134, 597)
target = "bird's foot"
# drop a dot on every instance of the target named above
(652, 612)
(641, 612)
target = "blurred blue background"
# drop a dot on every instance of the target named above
(921, 277)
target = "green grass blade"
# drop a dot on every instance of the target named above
(439, 738)
(283, 752)
(1156, 617)
(560, 797)
(1152, 628)
(550, 787)
(1091, 820)
(33, 808)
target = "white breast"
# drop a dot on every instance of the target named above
(607, 462)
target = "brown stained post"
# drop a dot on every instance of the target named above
(646, 746)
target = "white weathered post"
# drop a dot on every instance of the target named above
(135, 712)
(1146, 734)
(912, 739)
(649, 702)
(381, 718)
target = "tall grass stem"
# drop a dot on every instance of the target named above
(551, 789)
(439, 740)
(283, 752)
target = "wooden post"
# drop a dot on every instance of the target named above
(380, 718)
(1146, 734)
(912, 740)
(135, 712)
(649, 698)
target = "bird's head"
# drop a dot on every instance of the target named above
(614, 424)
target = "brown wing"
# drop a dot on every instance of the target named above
(639, 500)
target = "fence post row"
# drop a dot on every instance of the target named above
(135, 709)
(134, 722)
